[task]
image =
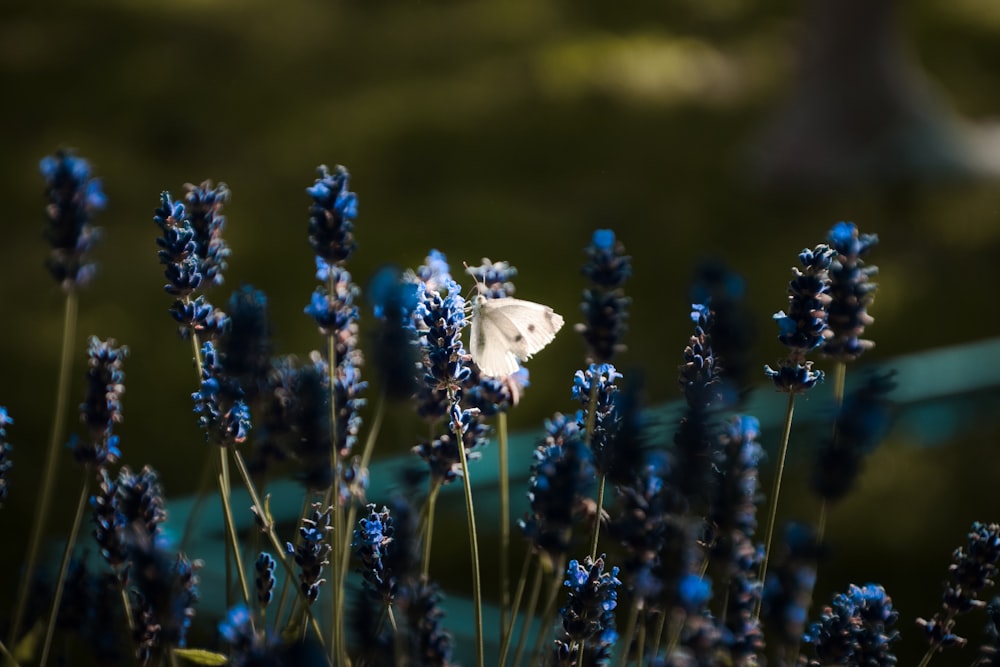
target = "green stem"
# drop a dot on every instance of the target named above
(64, 567)
(508, 630)
(504, 522)
(597, 518)
(352, 512)
(231, 531)
(775, 491)
(529, 615)
(626, 637)
(41, 514)
(279, 548)
(338, 650)
(8, 656)
(547, 612)
(429, 508)
(658, 634)
(477, 594)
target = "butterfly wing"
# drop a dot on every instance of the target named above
(508, 331)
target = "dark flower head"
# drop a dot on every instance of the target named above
(163, 592)
(204, 208)
(805, 326)
(309, 412)
(428, 640)
(605, 306)
(736, 489)
(220, 407)
(562, 477)
(312, 552)
(332, 214)
(264, 580)
(856, 629)
(246, 344)
(102, 409)
(592, 598)
(972, 570)
(732, 323)
(861, 424)
(73, 197)
(372, 540)
(851, 292)
(794, 378)
(5, 449)
(394, 301)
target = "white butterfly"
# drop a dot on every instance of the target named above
(507, 331)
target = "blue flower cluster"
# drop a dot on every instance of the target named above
(596, 390)
(856, 629)
(588, 616)
(73, 198)
(194, 254)
(312, 552)
(332, 214)
(102, 408)
(221, 410)
(372, 539)
(851, 292)
(127, 513)
(163, 592)
(562, 478)
(804, 328)
(264, 580)
(972, 570)
(605, 306)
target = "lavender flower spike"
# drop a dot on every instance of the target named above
(5, 464)
(73, 197)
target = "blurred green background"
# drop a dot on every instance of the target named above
(512, 129)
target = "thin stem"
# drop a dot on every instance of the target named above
(477, 594)
(8, 656)
(64, 567)
(824, 509)
(266, 519)
(776, 489)
(658, 633)
(429, 507)
(306, 504)
(508, 630)
(352, 512)
(337, 649)
(550, 605)
(504, 522)
(233, 538)
(203, 483)
(597, 518)
(47, 488)
(626, 636)
(676, 630)
(588, 438)
(529, 615)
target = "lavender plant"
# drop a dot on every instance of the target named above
(679, 521)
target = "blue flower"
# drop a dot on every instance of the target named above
(591, 601)
(973, 569)
(102, 409)
(394, 301)
(440, 320)
(495, 278)
(332, 214)
(598, 381)
(605, 306)
(433, 644)
(312, 552)
(220, 407)
(856, 629)
(804, 327)
(163, 591)
(264, 580)
(851, 292)
(733, 512)
(5, 449)
(372, 539)
(335, 312)
(434, 273)
(194, 254)
(246, 345)
(73, 197)
(562, 477)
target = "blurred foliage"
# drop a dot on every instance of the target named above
(504, 128)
